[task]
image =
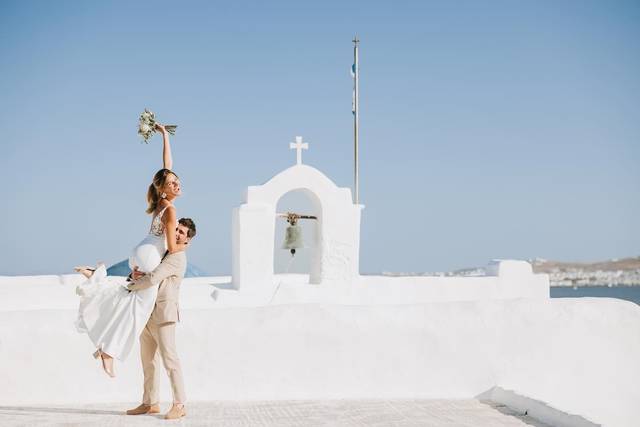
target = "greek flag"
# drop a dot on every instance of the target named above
(353, 102)
(353, 93)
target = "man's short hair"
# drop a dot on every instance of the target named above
(188, 222)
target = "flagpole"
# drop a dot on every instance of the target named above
(356, 118)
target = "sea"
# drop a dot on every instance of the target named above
(629, 293)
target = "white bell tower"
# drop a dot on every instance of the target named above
(336, 258)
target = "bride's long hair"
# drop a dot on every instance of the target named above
(155, 189)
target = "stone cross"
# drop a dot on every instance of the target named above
(299, 146)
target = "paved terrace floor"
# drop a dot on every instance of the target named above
(459, 413)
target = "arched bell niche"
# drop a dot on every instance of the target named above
(336, 259)
(304, 202)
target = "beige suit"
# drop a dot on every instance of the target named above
(160, 331)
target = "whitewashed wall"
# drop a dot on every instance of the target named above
(577, 355)
(505, 279)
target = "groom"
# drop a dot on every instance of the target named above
(160, 332)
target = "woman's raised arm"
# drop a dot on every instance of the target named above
(167, 160)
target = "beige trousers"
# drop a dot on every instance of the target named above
(160, 339)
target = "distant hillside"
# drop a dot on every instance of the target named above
(625, 264)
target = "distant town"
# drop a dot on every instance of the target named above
(614, 272)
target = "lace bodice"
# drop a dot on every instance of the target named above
(157, 226)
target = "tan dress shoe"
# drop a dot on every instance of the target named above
(144, 409)
(175, 412)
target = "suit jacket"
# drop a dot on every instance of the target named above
(168, 275)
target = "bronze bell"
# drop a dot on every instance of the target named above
(293, 239)
(293, 235)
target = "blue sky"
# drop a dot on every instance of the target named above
(488, 129)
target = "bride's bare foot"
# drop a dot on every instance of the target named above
(85, 270)
(107, 362)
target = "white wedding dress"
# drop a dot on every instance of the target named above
(112, 316)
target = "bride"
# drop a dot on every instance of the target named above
(112, 316)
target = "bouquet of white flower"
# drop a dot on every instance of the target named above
(147, 125)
